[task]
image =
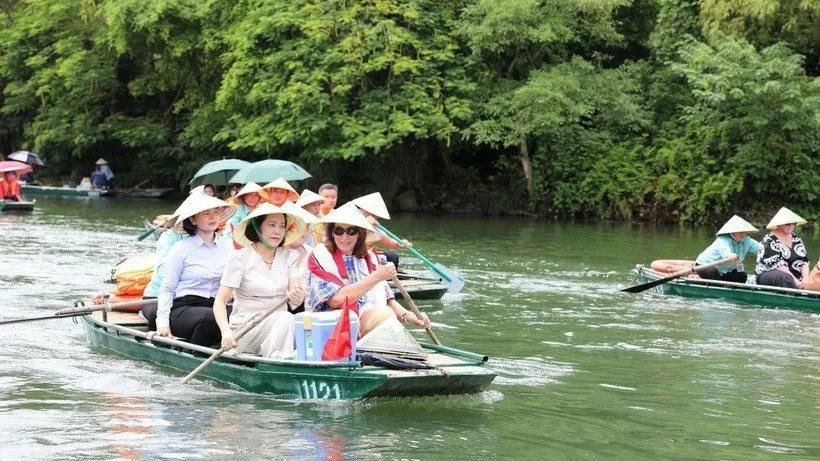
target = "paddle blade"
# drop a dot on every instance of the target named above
(146, 234)
(456, 285)
(646, 286)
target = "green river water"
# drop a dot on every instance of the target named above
(584, 371)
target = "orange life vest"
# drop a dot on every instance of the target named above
(9, 188)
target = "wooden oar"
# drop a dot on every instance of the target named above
(454, 282)
(256, 320)
(154, 229)
(146, 234)
(661, 281)
(83, 310)
(415, 309)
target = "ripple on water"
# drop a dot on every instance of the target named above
(529, 371)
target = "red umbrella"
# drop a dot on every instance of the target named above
(11, 165)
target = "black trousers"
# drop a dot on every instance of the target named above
(392, 257)
(191, 317)
(710, 273)
(776, 278)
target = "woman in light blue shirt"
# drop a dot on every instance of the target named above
(192, 272)
(731, 242)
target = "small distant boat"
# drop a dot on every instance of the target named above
(17, 206)
(140, 193)
(419, 287)
(746, 293)
(29, 189)
(455, 371)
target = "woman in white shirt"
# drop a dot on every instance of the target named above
(263, 274)
(192, 271)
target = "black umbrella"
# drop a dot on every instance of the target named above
(29, 158)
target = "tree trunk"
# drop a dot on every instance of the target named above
(524, 153)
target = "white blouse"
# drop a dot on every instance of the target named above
(258, 287)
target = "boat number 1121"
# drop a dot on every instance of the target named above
(322, 390)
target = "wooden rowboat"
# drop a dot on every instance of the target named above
(17, 206)
(140, 193)
(419, 287)
(457, 372)
(744, 293)
(64, 191)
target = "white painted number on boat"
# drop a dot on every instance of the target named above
(309, 390)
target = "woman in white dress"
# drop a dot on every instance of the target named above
(261, 275)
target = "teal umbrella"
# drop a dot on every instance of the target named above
(218, 172)
(265, 171)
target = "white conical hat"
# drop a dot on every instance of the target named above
(302, 213)
(197, 190)
(736, 224)
(280, 183)
(347, 214)
(373, 204)
(296, 225)
(101, 161)
(307, 197)
(785, 216)
(197, 203)
(236, 200)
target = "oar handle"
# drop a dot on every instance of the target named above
(414, 308)
(81, 308)
(645, 286)
(702, 266)
(416, 253)
(256, 320)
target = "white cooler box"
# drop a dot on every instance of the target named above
(319, 326)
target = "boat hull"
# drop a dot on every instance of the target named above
(463, 373)
(421, 288)
(64, 191)
(155, 193)
(747, 294)
(17, 206)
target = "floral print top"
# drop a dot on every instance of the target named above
(773, 254)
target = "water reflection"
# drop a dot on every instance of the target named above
(583, 369)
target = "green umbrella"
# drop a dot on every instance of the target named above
(218, 172)
(265, 171)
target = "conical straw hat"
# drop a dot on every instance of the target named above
(296, 225)
(101, 161)
(373, 204)
(736, 224)
(307, 197)
(347, 214)
(236, 200)
(197, 190)
(197, 203)
(280, 183)
(785, 216)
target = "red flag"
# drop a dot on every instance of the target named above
(338, 345)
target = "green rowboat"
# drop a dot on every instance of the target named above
(17, 206)
(745, 293)
(65, 191)
(418, 287)
(457, 372)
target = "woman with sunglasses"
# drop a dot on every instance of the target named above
(192, 272)
(262, 275)
(782, 260)
(341, 270)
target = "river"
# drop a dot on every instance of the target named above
(584, 371)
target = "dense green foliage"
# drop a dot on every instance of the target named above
(673, 110)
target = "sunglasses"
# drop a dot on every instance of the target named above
(351, 231)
